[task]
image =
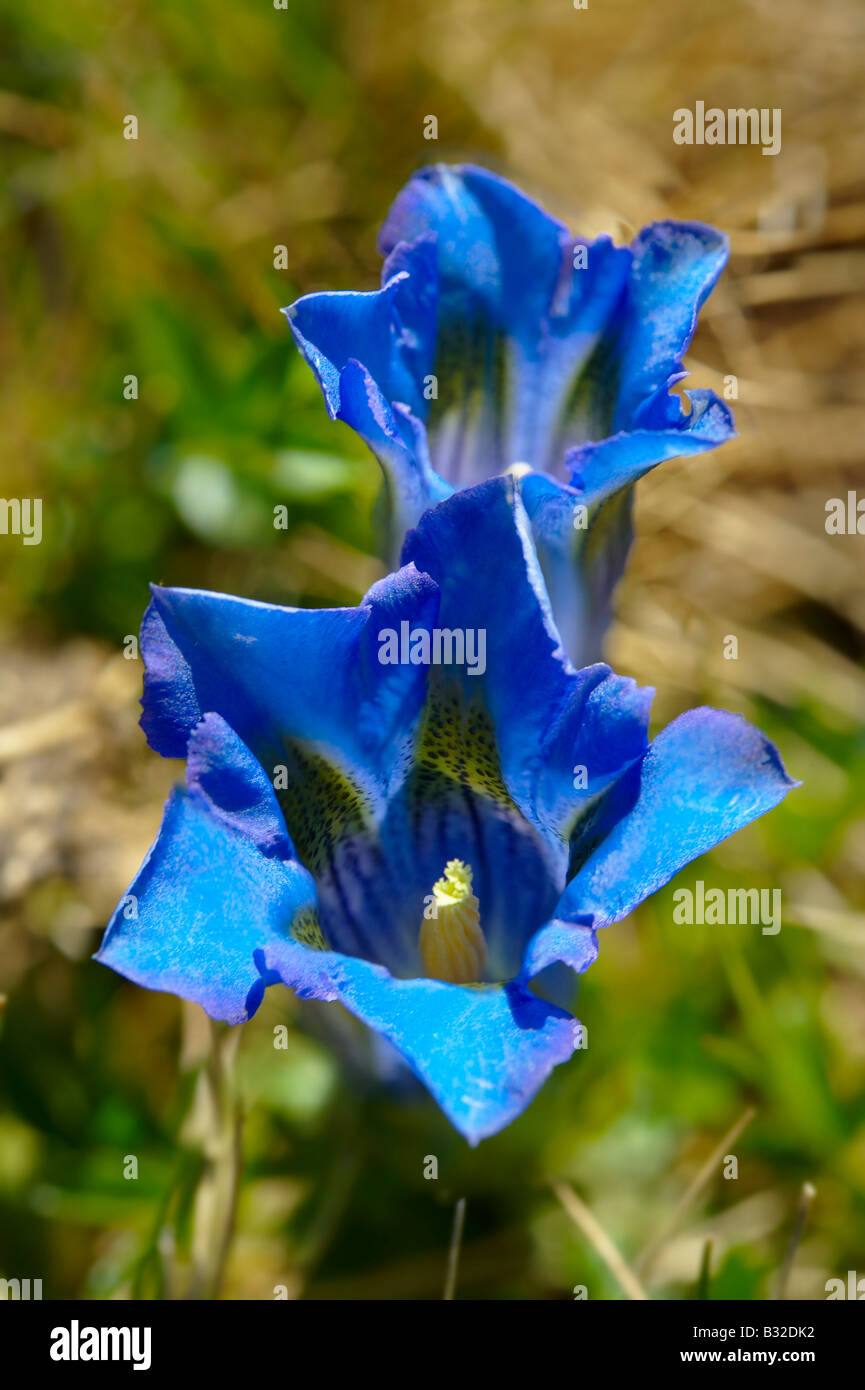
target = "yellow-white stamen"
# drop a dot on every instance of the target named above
(451, 942)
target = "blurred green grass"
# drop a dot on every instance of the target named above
(260, 128)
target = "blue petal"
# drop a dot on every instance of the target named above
(477, 548)
(596, 735)
(392, 328)
(489, 237)
(705, 776)
(483, 1052)
(572, 943)
(276, 672)
(223, 772)
(372, 355)
(209, 895)
(599, 471)
(548, 718)
(675, 267)
(517, 323)
(582, 555)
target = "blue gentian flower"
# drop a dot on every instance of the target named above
(415, 806)
(498, 342)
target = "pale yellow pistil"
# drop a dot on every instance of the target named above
(451, 942)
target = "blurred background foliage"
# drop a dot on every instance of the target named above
(261, 127)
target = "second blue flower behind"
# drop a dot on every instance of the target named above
(499, 341)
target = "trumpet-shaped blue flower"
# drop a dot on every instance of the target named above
(370, 817)
(499, 341)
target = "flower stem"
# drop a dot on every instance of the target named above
(454, 1251)
(215, 1124)
(806, 1196)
